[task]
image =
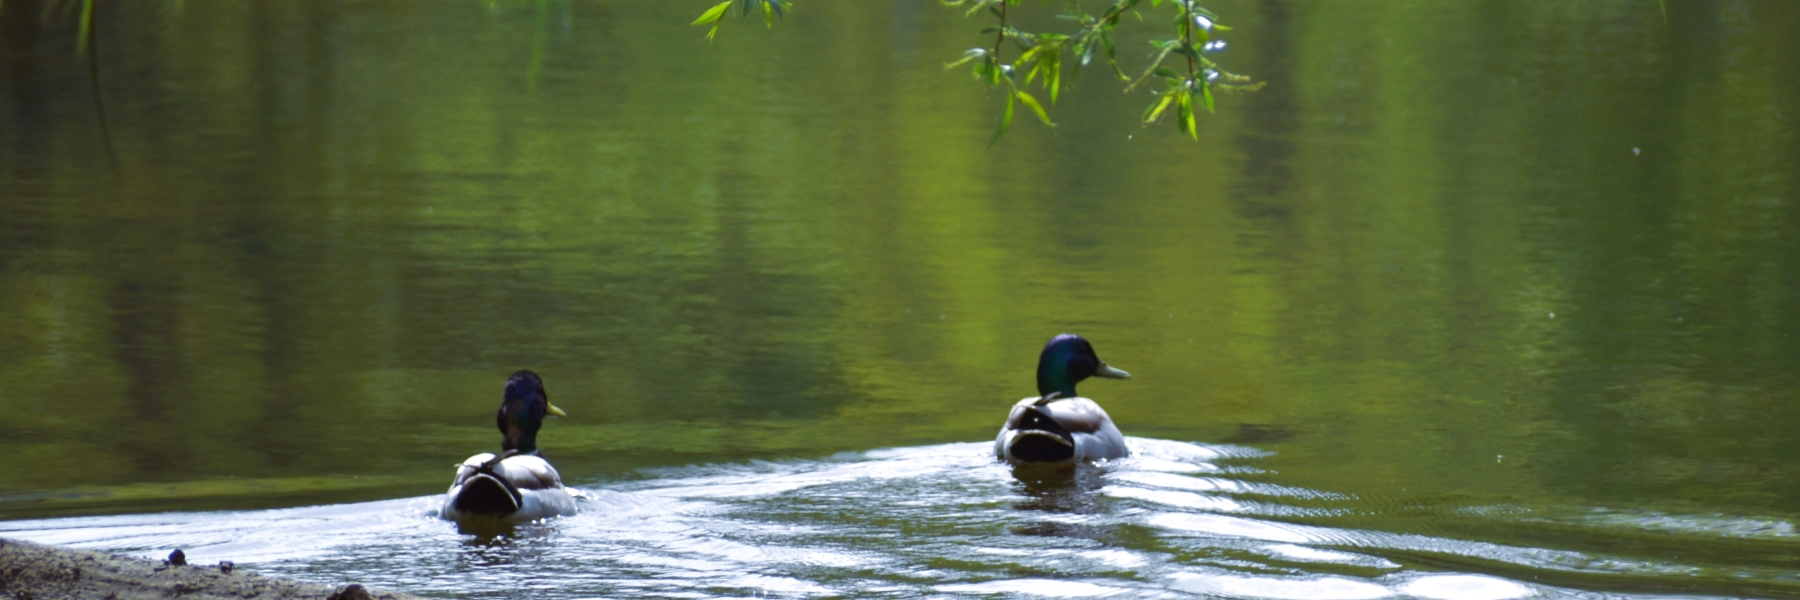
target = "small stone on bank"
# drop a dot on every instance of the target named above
(225, 566)
(177, 559)
(354, 591)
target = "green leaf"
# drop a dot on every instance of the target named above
(1029, 55)
(1111, 57)
(1186, 111)
(1151, 70)
(87, 26)
(1005, 121)
(1032, 104)
(1206, 96)
(713, 14)
(1156, 110)
(971, 54)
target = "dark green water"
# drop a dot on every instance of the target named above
(1492, 291)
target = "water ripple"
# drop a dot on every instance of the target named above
(904, 522)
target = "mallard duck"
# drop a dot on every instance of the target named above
(1057, 425)
(517, 485)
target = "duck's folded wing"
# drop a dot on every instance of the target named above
(1077, 415)
(528, 473)
(468, 468)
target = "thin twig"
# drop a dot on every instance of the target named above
(1187, 35)
(1001, 35)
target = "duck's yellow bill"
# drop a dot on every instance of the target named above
(555, 411)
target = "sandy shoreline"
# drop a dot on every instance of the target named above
(32, 571)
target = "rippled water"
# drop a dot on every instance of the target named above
(1174, 520)
(1476, 299)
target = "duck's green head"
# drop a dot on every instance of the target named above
(1067, 360)
(522, 412)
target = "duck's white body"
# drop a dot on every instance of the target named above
(518, 489)
(1063, 430)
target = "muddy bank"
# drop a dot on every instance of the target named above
(31, 571)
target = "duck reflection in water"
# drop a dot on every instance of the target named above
(1061, 489)
(505, 547)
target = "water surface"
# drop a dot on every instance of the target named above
(1175, 520)
(1505, 293)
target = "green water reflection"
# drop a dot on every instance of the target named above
(1455, 255)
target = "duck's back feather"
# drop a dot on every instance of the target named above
(1091, 431)
(525, 472)
(525, 484)
(1075, 415)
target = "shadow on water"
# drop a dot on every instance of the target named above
(495, 544)
(1063, 488)
(1060, 489)
(487, 532)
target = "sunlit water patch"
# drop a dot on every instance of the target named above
(1172, 521)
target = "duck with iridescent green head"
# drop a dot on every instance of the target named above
(518, 485)
(1058, 426)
